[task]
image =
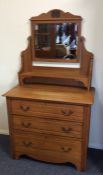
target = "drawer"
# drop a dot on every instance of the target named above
(29, 143)
(47, 110)
(33, 124)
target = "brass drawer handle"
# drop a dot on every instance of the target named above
(27, 143)
(26, 125)
(66, 149)
(24, 108)
(66, 113)
(66, 130)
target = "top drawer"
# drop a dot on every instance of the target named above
(47, 110)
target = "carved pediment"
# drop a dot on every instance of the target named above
(55, 15)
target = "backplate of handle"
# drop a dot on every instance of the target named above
(66, 130)
(66, 113)
(66, 149)
(26, 125)
(24, 108)
(27, 143)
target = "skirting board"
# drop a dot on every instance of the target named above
(91, 145)
(4, 132)
(95, 146)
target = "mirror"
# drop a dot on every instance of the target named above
(55, 37)
(56, 41)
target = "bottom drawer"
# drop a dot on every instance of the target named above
(34, 144)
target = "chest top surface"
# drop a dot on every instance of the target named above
(52, 93)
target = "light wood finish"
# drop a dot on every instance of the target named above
(53, 93)
(51, 18)
(65, 147)
(79, 77)
(36, 109)
(50, 125)
(48, 148)
(49, 111)
(34, 124)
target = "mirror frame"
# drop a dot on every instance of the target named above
(55, 16)
(76, 77)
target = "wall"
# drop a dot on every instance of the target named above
(14, 30)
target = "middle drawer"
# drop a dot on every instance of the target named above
(55, 127)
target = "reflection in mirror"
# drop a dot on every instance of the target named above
(56, 40)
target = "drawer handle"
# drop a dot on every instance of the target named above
(26, 125)
(24, 108)
(67, 113)
(27, 143)
(66, 149)
(66, 130)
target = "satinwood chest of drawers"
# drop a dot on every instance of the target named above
(49, 111)
(50, 123)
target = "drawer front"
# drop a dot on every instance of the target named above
(40, 109)
(70, 129)
(29, 143)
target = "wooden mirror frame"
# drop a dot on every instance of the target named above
(78, 77)
(55, 17)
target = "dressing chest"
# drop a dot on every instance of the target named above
(49, 111)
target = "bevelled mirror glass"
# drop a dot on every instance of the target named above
(56, 40)
(55, 37)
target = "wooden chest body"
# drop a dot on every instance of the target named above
(50, 123)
